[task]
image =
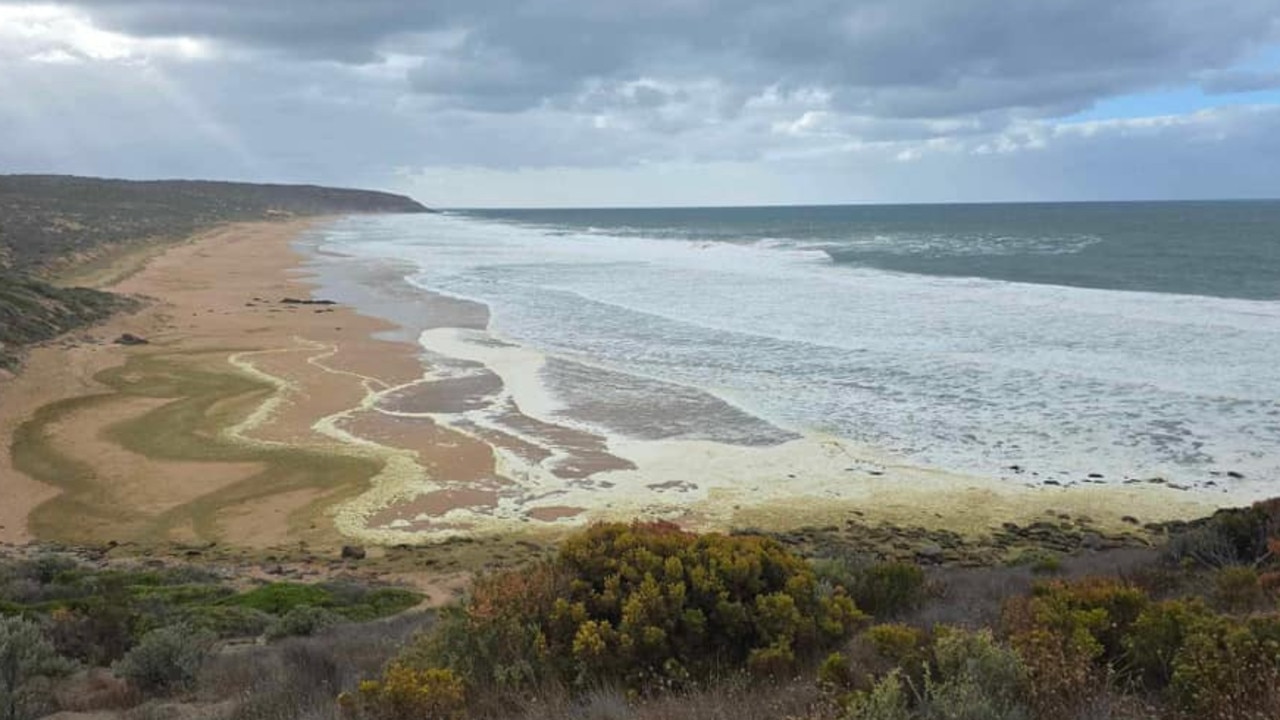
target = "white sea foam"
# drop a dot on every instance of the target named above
(966, 374)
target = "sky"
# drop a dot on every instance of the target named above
(516, 103)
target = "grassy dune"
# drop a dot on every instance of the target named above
(201, 403)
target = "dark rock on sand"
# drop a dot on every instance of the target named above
(131, 339)
(352, 552)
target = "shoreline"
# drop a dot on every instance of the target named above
(676, 479)
(219, 429)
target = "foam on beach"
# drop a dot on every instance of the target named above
(704, 484)
(778, 416)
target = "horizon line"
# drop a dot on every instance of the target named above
(903, 203)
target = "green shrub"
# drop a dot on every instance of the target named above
(1227, 669)
(889, 589)
(1068, 636)
(280, 598)
(45, 568)
(882, 589)
(26, 657)
(971, 677)
(302, 621)
(835, 675)
(166, 660)
(887, 700)
(871, 656)
(1236, 589)
(1157, 636)
(899, 644)
(646, 606)
(378, 603)
(226, 620)
(974, 678)
(353, 602)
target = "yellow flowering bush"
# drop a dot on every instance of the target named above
(406, 693)
(647, 605)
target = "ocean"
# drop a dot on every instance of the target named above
(1030, 343)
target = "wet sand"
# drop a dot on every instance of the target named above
(316, 423)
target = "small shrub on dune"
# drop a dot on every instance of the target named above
(302, 621)
(1157, 636)
(888, 699)
(352, 601)
(227, 621)
(26, 659)
(646, 606)
(883, 590)
(497, 637)
(1237, 589)
(870, 657)
(967, 676)
(1068, 636)
(406, 693)
(166, 660)
(280, 598)
(1229, 670)
(974, 678)
(898, 644)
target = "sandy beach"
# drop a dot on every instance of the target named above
(216, 314)
(257, 415)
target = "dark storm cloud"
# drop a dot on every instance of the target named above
(543, 101)
(919, 58)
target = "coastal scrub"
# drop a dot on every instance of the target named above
(646, 606)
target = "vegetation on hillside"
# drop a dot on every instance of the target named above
(96, 615)
(645, 607)
(47, 220)
(33, 311)
(648, 622)
(49, 223)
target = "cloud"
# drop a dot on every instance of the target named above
(46, 34)
(355, 92)
(885, 57)
(1213, 154)
(1239, 81)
